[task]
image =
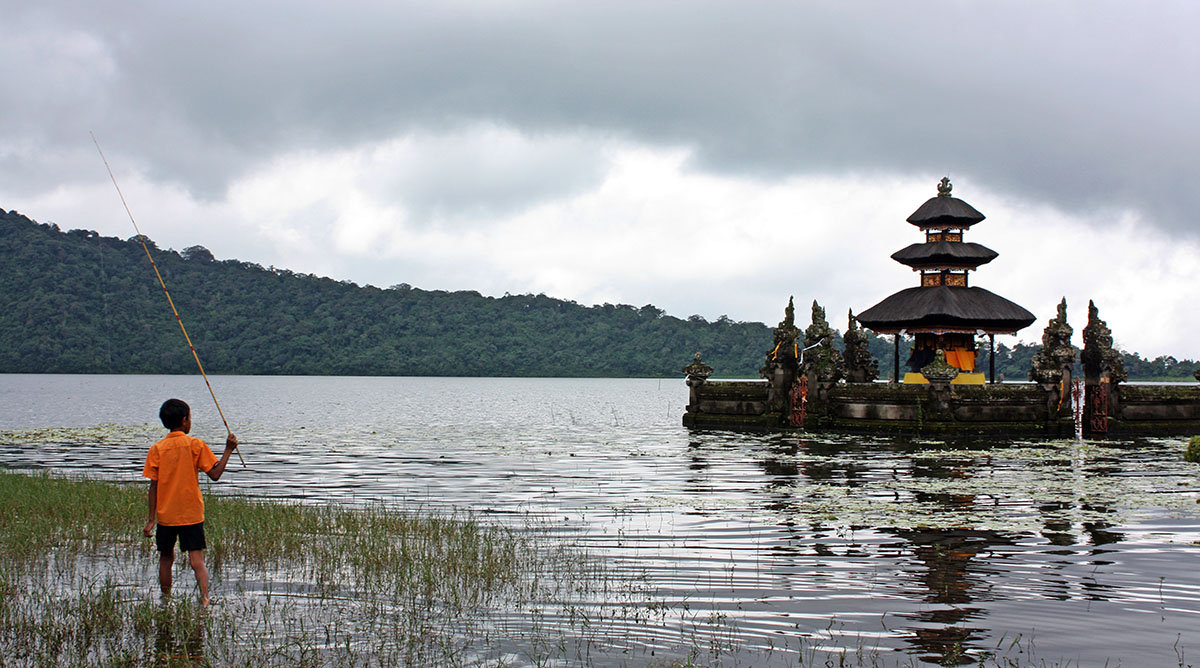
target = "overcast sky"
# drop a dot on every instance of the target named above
(710, 158)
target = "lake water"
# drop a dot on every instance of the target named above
(1066, 552)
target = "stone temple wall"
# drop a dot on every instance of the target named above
(1155, 409)
(938, 409)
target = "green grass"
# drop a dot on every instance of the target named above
(40, 513)
(335, 586)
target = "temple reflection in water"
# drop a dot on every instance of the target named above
(944, 571)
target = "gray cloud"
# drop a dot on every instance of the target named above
(482, 172)
(1084, 105)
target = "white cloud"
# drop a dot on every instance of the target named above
(1142, 280)
(654, 229)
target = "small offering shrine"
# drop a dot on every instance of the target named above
(945, 312)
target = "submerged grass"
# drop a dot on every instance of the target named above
(311, 584)
(448, 560)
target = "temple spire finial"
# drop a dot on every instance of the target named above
(944, 187)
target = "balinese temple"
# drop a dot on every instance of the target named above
(945, 312)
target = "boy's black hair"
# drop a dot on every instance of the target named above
(172, 413)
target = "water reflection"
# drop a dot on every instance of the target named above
(178, 640)
(953, 577)
(951, 570)
(949, 576)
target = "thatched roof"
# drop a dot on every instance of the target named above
(945, 308)
(958, 253)
(944, 211)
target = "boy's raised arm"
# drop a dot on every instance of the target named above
(231, 444)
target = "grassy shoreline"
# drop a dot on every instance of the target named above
(294, 584)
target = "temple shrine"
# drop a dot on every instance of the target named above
(808, 385)
(945, 312)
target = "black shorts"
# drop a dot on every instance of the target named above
(191, 537)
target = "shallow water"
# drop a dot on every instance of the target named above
(754, 546)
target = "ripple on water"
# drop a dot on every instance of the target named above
(739, 543)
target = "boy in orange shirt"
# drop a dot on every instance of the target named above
(175, 501)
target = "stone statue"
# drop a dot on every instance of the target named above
(861, 366)
(939, 370)
(944, 187)
(785, 351)
(780, 368)
(1052, 364)
(1103, 370)
(1098, 354)
(697, 374)
(786, 331)
(697, 370)
(822, 363)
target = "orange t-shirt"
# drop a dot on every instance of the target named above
(173, 462)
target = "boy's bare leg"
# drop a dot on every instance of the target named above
(165, 561)
(196, 558)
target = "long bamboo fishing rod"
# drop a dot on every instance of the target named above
(142, 240)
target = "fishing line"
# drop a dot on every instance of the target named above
(142, 240)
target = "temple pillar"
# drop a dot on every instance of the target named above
(1095, 405)
(991, 358)
(780, 378)
(896, 358)
(697, 374)
(1103, 370)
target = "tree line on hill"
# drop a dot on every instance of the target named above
(78, 302)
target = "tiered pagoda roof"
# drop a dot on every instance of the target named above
(965, 255)
(943, 309)
(945, 211)
(944, 302)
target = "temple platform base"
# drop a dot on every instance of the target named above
(945, 410)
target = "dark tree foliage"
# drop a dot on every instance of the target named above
(1013, 363)
(198, 253)
(78, 302)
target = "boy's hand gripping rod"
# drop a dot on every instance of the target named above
(142, 240)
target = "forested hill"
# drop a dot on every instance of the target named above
(77, 302)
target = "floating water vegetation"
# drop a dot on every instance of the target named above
(1012, 486)
(96, 434)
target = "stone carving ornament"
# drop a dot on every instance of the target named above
(786, 334)
(1057, 354)
(939, 370)
(823, 362)
(1098, 354)
(861, 366)
(698, 370)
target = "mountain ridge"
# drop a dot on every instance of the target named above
(77, 302)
